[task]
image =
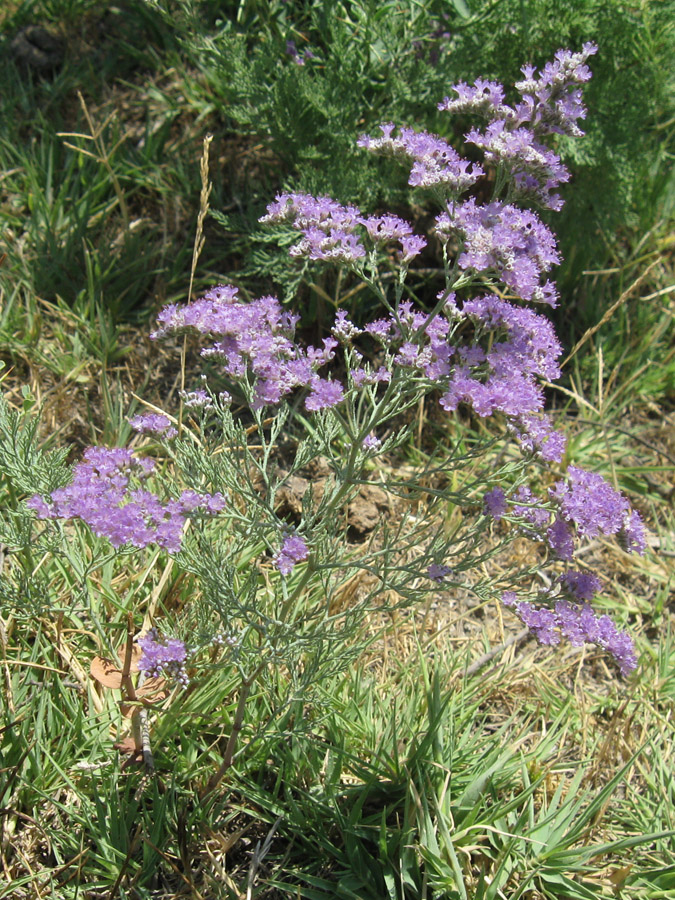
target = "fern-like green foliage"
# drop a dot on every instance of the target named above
(25, 467)
(394, 61)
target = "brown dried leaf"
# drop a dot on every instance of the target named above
(619, 876)
(127, 747)
(153, 689)
(106, 672)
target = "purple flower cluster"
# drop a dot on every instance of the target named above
(595, 508)
(579, 624)
(100, 494)
(585, 504)
(163, 657)
(153, 423)
(255, 338)
(500, 238)
(331, 231)
(495, 503)
(293, 550)
(503, 377)
(371, 443)
(537, 435)
(434, 161)
(580, 585)
(536, 170)
(551, 103)
(198, 399)
(438, 573)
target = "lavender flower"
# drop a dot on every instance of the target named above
(512, 243)
(163, 656)
(330, 231)
(595, 507)
(529, 508)
(324, 394)
(153, 423)
(536, 435)
(541, 622)
(101, 495)
(579, 624)
(293, 550)
(560, 539)
(254, 337)
(632, 536)
(552, 101)
(484, 98)
(438, 573)
(371, 443)
(292, 51)
(434, 161)
(198, 399)
(495, 503)
(343, 329)
(535, 169)
(580, 585)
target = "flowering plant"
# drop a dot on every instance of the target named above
(279, 584)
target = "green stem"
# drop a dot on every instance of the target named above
(237, 725)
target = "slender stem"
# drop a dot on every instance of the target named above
(127, 683)
(237, 725)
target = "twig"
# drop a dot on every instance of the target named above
(496, 651)
(196, 251)
(237, 725)
(627, 432)
(148, 758)
(610, 312)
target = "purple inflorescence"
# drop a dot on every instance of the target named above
(595, 508)
(512, 140)
(500, 239)
(536, 435)
(438, 573)
(434, 161)
(579, 624)
(484, 98)
(529, 508)
(163, 657)
(153, 423)
(542, 622)
(536, 170)
(371, 443)
(580, 585)
(552, 100)
(293, 550)
(561, 539)
(585, 506)
(324, 394)
(101, 495)
(256, 338)
(331, 231)
(495, 503)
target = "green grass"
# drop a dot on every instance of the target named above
(414, 782)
